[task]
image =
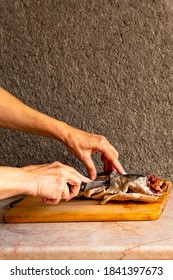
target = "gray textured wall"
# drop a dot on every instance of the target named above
(102, 66)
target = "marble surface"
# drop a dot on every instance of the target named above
(89, 240)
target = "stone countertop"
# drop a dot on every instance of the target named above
(89, 240)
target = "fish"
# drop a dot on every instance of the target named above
(136, 187)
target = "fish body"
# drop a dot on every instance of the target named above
(127, 187)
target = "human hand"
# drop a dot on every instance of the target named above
(84, 145)
(49, 181)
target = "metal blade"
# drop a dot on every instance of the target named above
(93, 185)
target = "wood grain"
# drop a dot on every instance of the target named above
(33, 210)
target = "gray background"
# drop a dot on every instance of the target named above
(102, 66)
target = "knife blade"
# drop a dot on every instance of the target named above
(93, 184)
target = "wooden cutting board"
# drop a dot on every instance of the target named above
(33, 210)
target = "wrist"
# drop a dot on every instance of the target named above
(58, 130)
(14, 181)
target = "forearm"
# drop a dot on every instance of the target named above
(17, 116)
(14, 181)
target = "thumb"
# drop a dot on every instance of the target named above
(90, 166)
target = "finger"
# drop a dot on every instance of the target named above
(78, 177)
(108, 166)
(73, 175)
(90, 166)
(111, 155)
(105, 163)
(51, 201)
(69, 191)
(74, 190)
(66, 193)
(118, 167)
(60, 187)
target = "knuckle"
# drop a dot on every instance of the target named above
(60, 170)
(60, 186)
(65, 196)
(56, 164)
(86, 157)
(54, 196)
(102, 140)
(56, 201)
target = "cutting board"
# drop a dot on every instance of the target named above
(33, 210)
